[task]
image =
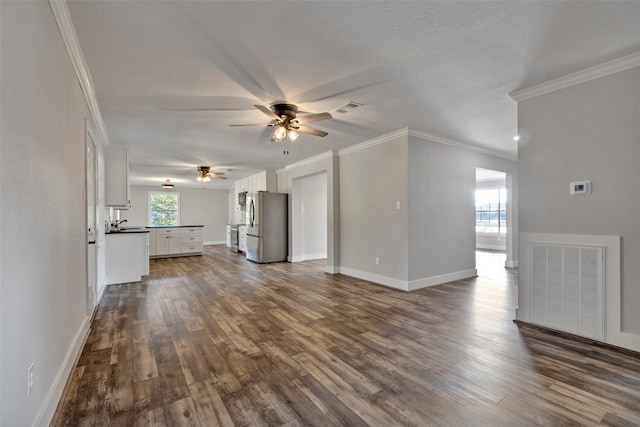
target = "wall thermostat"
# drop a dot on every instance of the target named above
(580, 187)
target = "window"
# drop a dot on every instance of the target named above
(164, 208)
(491, 211)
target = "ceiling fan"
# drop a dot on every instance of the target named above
(205, 174)
(286, 123)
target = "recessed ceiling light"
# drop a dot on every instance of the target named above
(516, 138)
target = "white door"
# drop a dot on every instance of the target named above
(92, 225)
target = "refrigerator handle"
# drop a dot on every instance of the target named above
(252, 213)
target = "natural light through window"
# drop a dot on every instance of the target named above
(164, 208)
(491, 211)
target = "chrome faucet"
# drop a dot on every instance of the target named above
(117, 223)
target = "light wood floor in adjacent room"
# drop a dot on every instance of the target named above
(217, 340)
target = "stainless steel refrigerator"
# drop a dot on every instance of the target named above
(267, 227)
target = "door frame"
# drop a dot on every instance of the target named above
(91, 204)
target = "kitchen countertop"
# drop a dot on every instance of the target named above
(172, 226)
(128, 231)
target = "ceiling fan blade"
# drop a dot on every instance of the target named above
(312, 131)
(253, 124)
(268, 112)
(314, 118)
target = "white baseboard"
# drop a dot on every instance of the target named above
(405, 285)
(630, 341)
(491, 247)
(439, 280)
(103, 286)
(331, 269)
(215, 242)
(376, 278)
(48, 408)
(310, 257)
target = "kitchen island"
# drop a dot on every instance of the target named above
(127, 255)
(173, 241)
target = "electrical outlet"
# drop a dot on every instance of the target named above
(377, 260)
(30, 379)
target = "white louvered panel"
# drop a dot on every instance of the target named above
(538, 286)
(567, 288)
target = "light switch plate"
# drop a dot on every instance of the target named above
(580, 187)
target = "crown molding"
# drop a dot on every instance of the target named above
(406, 132)
(68, 32)
(602, 70)
(375, 141)
(462, 145)
(308, 160)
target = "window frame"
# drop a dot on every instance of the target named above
(149, 210)
(502, 207)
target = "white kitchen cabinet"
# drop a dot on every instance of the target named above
(167, 241)
(242, 238)
(152, 242)
(176, 241)
(269, 181)
(191, 240)
(228, 235)
(117, 188)
(263, 181)
(126, 257)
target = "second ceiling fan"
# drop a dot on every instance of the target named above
(287, 124)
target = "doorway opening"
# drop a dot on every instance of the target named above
(309, 218)
(493, 218)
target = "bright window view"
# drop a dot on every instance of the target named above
(491, 211)
(164, 208)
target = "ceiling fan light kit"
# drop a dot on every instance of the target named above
(288, 126)
(205, 175)
(280, 133)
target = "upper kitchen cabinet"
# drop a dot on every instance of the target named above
(263, 181)
(117, 193)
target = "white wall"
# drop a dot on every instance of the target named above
(231, 199)
(409, 202)
(43, 278)
(208, 207)
(442, 185)
(589, 131)
(373, 178)
(309, 223)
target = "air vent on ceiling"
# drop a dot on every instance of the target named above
(349, 106)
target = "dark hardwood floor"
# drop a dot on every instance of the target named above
(217, 340)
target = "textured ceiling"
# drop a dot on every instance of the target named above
(171, 76)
